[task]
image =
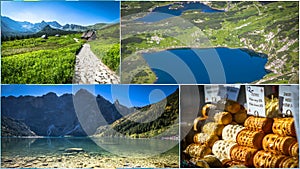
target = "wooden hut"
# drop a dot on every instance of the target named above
(89, 35)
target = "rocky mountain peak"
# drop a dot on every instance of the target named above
(117, 102)
(83, 93)
(50, 95)
(47, 28)
(52, 115)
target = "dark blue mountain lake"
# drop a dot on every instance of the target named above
(205, 66)
(101, 152)
(164, 12)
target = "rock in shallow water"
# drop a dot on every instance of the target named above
(28, 165)
(44, 164)
(15, 166)
(8, 161)
(72, 150)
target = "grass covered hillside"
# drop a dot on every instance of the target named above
(158, 119)
(271, 28)
(34, 60)
(39, 61)
(107, 45)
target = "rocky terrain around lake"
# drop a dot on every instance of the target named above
(39, 132)
(11, 127)
(82, 159)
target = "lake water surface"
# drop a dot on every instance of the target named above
(164, 12)
(204, 66)
(101, 152)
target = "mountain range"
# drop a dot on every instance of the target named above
(52, 115)
(77, 115)
(11, 27)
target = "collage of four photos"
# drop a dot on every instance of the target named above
(150, 84)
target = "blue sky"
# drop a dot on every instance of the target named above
(76, 12)
(129, 95)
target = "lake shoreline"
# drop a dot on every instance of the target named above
(251, 54)
(87, 160)
(152, 50)
(150, 10)
(209, 4)
(244, 48)
(187, 2)
(84, 152)
(281, 58)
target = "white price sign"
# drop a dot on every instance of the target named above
(256, 101)
(289, 99)
(214, 93)
(211, 93)
(230, 92)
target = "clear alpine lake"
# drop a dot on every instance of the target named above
(164, 12)
(101, 152)
(209, 65)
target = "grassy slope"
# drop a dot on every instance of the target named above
(149, 121)
(108, 39)
(270, 29)
(266, 28)
(37, 61)
(23, 46)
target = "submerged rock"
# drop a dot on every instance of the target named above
(8, 161)
(59, 160)
(74, 150)
(15, 166)
(45, 164)
(70, 154)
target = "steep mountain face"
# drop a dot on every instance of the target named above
(12, 27)
(49, 115)
(50, 31)
(11, 127)
(9, 25)
(40, 26)
(48, 28)
(72, 27)
(149, 121)
(100, 111)
(55, 24)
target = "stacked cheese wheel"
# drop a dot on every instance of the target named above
(236, 140)
(280, 148)
(226, 114)
(248, 141)
(215, 117)
(222, 148)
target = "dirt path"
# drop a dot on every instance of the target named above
(90, 70)
(76, 40)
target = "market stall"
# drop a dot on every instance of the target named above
(243, 126)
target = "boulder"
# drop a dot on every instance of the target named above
(74, 150)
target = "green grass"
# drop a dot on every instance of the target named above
(34, 44)
(52, 60)
(39, 61)
(136, 70)
(107, 46)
